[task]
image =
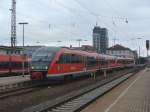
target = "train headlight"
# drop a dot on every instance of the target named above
(32, 67)
(46, 67)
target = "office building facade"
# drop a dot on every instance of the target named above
(100, 39)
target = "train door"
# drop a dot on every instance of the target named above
(99, 63)
(84, 58)
(66, 66)
(60, 63)
(10, 64)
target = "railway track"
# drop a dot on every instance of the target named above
(17, 89)
(77, 100)
(23, 88)
(19, 92)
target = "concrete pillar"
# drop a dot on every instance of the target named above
(93, 75)
(105, 73)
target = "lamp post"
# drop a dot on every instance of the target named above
(59, 42)
(139, 48)
(79, 40)
(23, 23)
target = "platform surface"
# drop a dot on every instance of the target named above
(136, 97)
(14, 79)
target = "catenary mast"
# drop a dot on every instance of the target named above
(13, 23)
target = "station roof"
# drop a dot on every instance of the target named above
(10, 48)
(118, 47)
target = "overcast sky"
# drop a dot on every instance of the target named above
(68, 20)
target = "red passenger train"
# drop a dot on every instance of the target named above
(13, 64)
(55, 61)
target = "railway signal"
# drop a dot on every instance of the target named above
(147, 46)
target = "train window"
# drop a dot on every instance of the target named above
(60, 60)
(79, 59)
(26, 64)
(103, 62)
(13, 64)
(76, 58)
(91, 61)
(16, 64)
(64, 58)
(19, 64)
(69, 58)
(4, 64)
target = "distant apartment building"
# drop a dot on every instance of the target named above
(121, 51)
(100, 39)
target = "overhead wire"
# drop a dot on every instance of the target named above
(73, 11)
(116, 12)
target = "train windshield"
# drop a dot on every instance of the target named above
(42, 57)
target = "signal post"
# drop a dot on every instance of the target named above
(147, 47)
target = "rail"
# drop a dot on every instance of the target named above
(16, 86)
(76, 100)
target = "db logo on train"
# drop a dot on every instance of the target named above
(72, 68)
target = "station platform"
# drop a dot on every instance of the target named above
(134, 98)
(14, 79)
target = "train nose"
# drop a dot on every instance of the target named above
(37, 75)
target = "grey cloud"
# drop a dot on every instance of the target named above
(70, 20)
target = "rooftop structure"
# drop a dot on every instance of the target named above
(121, 51)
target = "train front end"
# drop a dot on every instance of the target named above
(41, 61)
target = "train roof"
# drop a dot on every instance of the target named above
(48, 49)
(81, 52)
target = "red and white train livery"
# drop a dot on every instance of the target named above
(12, 64)
(55, 61)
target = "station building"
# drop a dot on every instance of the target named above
(121, 51)
(19, 50)
(11, 50)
